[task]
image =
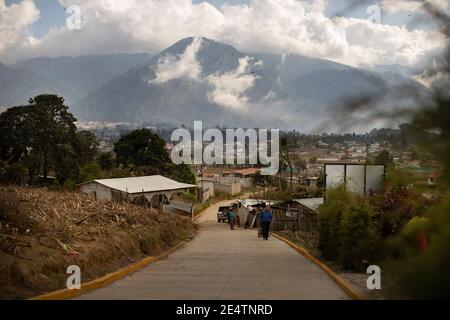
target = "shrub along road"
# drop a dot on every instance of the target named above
(224, 264)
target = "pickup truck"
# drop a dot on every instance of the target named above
(222, 214)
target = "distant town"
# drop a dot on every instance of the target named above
(309, 151)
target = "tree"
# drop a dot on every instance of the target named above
(40, 136)
(263, 182)
(105, 161)
(146, 150)
(301, 164)
(67, 164)
(288, 159)
(184, 174)
(86, 147)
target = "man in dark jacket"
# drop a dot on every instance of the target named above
(266, 219)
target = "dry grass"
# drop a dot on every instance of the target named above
(42, 233)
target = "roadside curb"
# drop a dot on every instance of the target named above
(107, 279)
(343, 284)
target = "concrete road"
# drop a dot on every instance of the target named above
(224, 264)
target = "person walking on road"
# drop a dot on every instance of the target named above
(266, 219)
(231, 218)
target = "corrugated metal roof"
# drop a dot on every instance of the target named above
(312, 203)
(253, 202)
(249, 202)
(144, 184)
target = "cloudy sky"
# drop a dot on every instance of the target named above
(327, 29)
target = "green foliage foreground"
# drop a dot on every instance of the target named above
(346, 229)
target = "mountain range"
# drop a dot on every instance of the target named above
(71, 77)
(197, 79)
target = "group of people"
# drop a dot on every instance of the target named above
(264, 218)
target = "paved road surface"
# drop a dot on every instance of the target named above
(224, 264)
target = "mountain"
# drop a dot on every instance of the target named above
(201, 79)
(17, 86)
(79, 76)
(198, 79)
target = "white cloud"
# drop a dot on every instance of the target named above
(315, 5)
(229, 88)
(370, 43)
(183, 66)
(269, 26)
(15, 21)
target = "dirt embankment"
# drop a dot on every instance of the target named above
(43, 232)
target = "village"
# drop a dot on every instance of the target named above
(132, 168)
(220, 158)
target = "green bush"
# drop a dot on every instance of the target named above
(330, 216)
(190, 196)
(91, 171)
(358, 242)
(14, 173)
(346, 230)
(425, 275)
(69, 184)
(414, 227)
(398, 178)
(398, 203)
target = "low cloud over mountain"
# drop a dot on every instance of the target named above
(201, 79)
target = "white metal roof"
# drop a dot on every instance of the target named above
(144, 184)
(253, 202)
(312, 203)
(249, 202)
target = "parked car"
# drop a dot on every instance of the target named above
(222, 214)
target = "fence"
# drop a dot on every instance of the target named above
(294, 219)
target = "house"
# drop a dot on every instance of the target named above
(149, 191)
(206, 188)
(229, 187)
(310, 204)
(297, 214)
(242, 176)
